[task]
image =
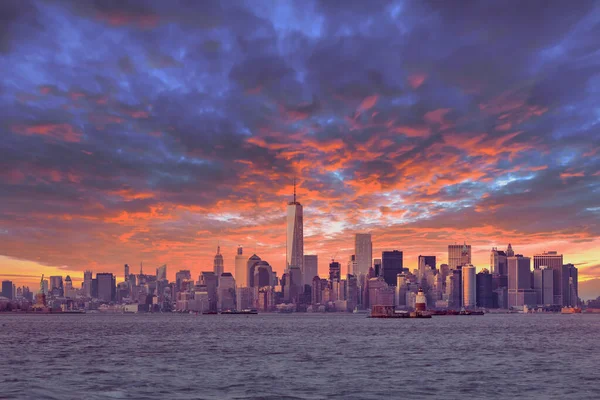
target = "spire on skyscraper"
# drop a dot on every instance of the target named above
(294, 189)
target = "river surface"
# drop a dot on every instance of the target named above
(299, 356)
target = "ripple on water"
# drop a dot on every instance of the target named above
(309, 356)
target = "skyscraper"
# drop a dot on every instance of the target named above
(519, 282)
(126, 272)
(543, 284)
(469, 286)
(509, 251)
(352, 265)
(351, 292)
(549, 259)
(295, 234)
(391, 265)
(566, 286)
(87, 283)
(218, 266)
(106, 287)
(181, 276)
(458, 255)
(56, 285)
(7, 289)
(484, 290)
(250, 268)
(335, 271)
(376, 267)
(241, 268)
(211, 281)
(226, 289)
(423, 262)
(363, 250)
(498, 262)
(68, 289)
(161, 273)
(311, 268)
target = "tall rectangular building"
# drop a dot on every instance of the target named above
(352, 265)
(226, 292)
(363, 250)
(377, 266)
(161, 273)
(106, 287)
(498, 262)
(520, 292)
(56, 285)
(335, 271)
(391, 265)
(295, 235)
(423, 262)
(311, 268)
(543, 284)
(7, 290)
(459, 255)
(485, 298)
(469, 286)
(549, 259)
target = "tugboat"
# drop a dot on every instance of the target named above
(570, 310)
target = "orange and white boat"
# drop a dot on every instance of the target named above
(570, 310)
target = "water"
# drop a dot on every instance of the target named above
(298, 356)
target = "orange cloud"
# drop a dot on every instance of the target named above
(416, 80)
(64, 132)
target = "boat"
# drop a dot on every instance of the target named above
(470, 312)
(209, 313)
(570, 310)
(72, 312)
(390, 312)
(242, 312)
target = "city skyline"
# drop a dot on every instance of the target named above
(181, 129)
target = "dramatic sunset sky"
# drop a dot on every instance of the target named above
(149, 131)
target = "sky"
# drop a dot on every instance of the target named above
(152, 131)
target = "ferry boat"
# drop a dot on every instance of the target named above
(570, 310)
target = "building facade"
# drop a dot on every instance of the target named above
(311, 268)
(241, 268)
(469, 286)
(458, 255)
(363, 250)
(498, 263)
(295, 234)
(549, 259)
(218, 265)
(543, 284)
(107, 287)
(392, 264)
(520, 292)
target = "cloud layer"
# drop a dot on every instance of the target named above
(146, 131)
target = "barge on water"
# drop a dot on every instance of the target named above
(390, 312)
(241, 312)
